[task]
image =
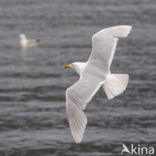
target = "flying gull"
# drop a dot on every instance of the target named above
(95, 73)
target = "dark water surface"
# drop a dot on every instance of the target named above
(33, 82)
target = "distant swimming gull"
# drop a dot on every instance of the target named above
(93, 74)
(28, 42)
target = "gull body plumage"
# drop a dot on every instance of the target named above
(93, 74)
(24, 42)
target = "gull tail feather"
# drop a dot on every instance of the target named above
(38, 40)
(121, 31)
(115, 84)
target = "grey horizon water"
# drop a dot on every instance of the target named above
(33, 119)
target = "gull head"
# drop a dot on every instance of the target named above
(77, 66)
(22, 36)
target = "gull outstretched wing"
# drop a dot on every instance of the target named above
(104, 45)
(77, 96)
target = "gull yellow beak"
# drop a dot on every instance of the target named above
(67, 66)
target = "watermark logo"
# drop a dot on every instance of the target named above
(137, 150)
(125, 149)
